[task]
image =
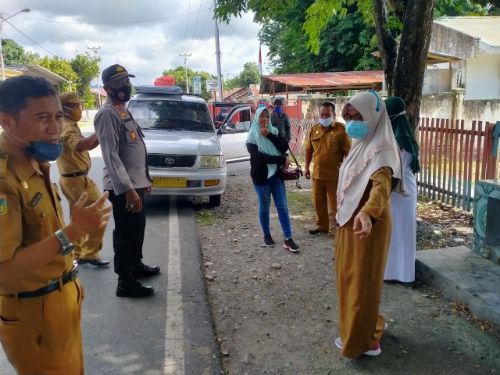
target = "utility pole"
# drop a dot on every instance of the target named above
(186, 55)
(217, 54)
(96, 51)
(2, 19)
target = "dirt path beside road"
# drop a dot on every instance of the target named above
(276, 313)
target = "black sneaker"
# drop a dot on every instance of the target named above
(317, 231)
(291, 246)
(268, 241)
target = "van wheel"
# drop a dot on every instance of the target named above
(214, 200)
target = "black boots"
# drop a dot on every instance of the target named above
(133, 289)
(142, 270)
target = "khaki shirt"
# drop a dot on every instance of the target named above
(71, 160)
(30, 211)
(123, 149)
(329, 146)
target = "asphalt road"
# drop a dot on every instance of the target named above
(170, 333)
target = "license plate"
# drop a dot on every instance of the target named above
(169, 182)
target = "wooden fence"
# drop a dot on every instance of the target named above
(453, 159)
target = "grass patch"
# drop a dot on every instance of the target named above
(300, 202)
(205, 217)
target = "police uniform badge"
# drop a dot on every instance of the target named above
(3, 204)
(123, 115)
(133, 135)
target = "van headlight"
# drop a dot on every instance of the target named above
(211, 161)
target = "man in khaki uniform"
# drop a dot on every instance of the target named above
(326, 145)
(74, 165)
(40, 294)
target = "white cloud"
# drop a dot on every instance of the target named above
(146, 49)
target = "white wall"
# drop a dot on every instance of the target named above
(483, 77)
(437, 80)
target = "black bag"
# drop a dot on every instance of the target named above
(292, 174)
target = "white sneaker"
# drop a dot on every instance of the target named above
(338, 343)
(374, 351)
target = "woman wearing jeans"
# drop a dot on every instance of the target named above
(267, 153)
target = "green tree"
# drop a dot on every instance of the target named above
(14, 54)
(402, 28)
(60, 67)
(86, 68)
(179, 74)
(231, 83)
(249, 75)
(345, 44)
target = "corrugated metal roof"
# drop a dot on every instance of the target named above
(235, 93)
(432, 57)
(37, 70)
(322, 82)
(486, 28)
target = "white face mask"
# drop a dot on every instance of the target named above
(326, 122)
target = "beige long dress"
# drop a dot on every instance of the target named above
(360, 265)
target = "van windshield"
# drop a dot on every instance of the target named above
(171, 115)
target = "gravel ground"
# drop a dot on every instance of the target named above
(275, 312)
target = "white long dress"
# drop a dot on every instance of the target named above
(401, 259)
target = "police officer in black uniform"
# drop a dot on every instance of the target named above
(126, 177)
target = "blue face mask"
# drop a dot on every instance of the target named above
(277, 110)
(356, 129)
(45, 151)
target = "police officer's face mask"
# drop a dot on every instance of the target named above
(121, 94)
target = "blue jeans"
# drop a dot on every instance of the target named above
(276, 187)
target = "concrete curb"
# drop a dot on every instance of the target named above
(462, 277)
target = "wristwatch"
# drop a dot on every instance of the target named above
(66, 245)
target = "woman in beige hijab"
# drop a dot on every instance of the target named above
(372, 168)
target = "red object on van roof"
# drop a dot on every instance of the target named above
(165, 81)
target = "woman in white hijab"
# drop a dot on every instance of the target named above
(372, 168)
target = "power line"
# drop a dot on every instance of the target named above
(117, 22)
(29, 38)
(202, 29)
(187, 21)
(231, 26)
(196, 23)
(46, 6)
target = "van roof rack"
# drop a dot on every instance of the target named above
(169, 90)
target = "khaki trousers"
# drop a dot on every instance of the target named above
(360, 266)
(41, 335)
(72, 187)
(325, 200)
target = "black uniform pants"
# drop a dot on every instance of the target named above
(128, 234)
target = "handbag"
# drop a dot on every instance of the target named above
(292, 174)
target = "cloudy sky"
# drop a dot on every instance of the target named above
(146, 36)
